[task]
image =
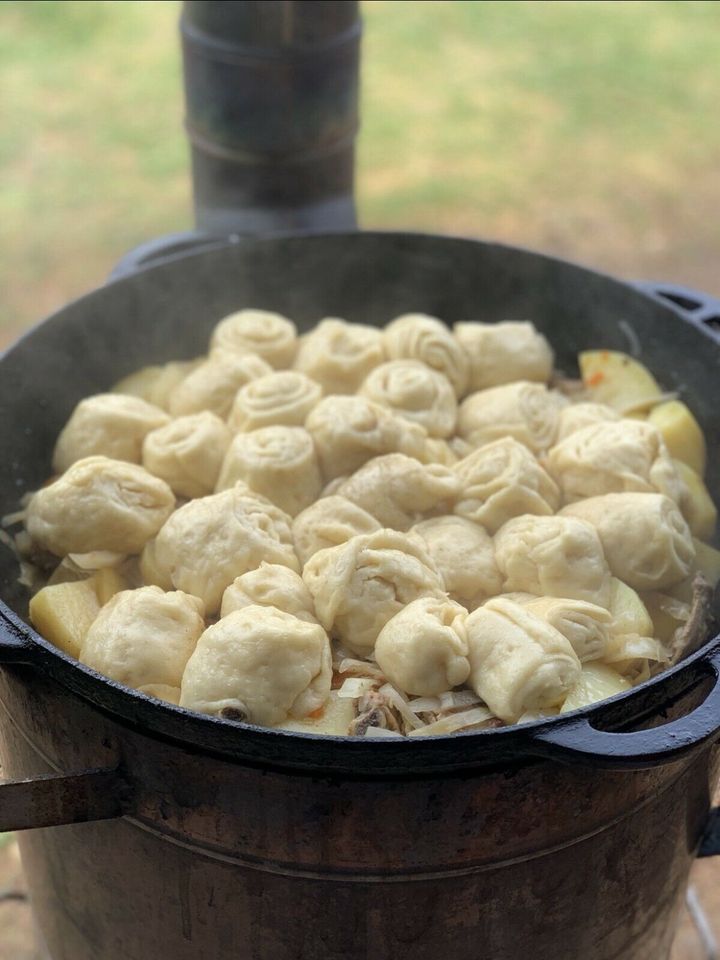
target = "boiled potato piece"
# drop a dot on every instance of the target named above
(597, 682)
(616, 379)
(64, 612)
(333, 719)
(696, 503)
(107, 583)
(682, 433)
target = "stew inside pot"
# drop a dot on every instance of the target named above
(408, 531)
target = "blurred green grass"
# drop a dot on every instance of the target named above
(585, 128)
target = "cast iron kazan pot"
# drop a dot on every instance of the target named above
(160, 833)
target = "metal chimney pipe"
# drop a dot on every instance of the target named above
(271, 90)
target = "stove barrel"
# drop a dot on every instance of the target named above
(271, 91)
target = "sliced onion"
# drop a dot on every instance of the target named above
(96, 560)
(424, 705)
(454, 722)
(355, 687)
(634, 647)
(10, 519)
(360, 668)
(400, 703)
(453, 699)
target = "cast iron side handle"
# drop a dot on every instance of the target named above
(578, 741)
(57, 799)
(700, 308)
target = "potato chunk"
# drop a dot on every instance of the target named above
(682, 433)
(331, 720)
(616, 379)
(64, 612)
(596, 682)
(696, 503)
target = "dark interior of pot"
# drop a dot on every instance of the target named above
(167, 311)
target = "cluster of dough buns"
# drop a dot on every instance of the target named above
(412, 520)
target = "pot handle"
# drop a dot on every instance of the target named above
(578, 741)
(57, 799)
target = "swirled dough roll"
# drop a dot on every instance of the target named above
(210, 541)
(99, 504)
(416, 336)
(559, 556)
(359, 585)
(646, 540)
(526, 411)
(349, 431)
(283, 398)
(423, 648)
(398, 490)
(188, 452)
(464, 554)
(156, 382)
(585, 625)
(271, 585)
(144, 636)
(414, 391)
(213, 384)
(261, 665)
(339, 355)
(438, 451)
(260, 332)
(502, 352)
(329, 522)
(106, 425)
(626, 456)
(576, 416)
(502, 480)
(518, 662)
(277, 462)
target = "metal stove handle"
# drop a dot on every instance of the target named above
(578, 741)
(700, 308)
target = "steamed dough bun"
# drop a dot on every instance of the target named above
(270, 585)
(214, 383)
(99, 504)
(282, 398)
(464, 554)
(328, 522)
(109, 425)
(416, 336)
(349, 431)
(423, 648)
(278, 462)
(519, 663)
(259, 332)
(339, 355)
(503, 352)
(359, 585)
(187, 453)
(210, 541)
(559, 556)
(398, 490)
(647, 542)
(502, 480)
(527, 411)
(144, 636)
(613, 457)
(261, 665)
(414, 391)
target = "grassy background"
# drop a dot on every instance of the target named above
(584, 128)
